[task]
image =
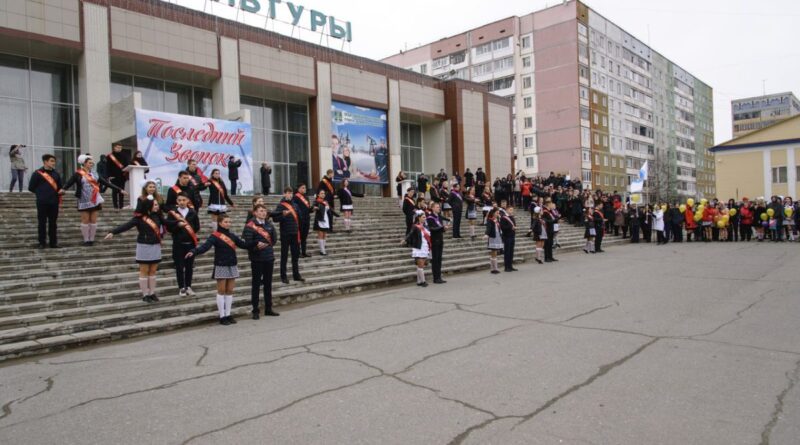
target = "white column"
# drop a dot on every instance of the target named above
(323, 118)
(791, 172)
(767, 160)
(395, 162)
(225, 94)
(94, 82)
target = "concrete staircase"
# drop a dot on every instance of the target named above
(51, 299)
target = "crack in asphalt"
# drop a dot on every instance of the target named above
(202, 356)
(6, 408)
(616, 303)
(438, 394)
(738, 316)
(793, 377)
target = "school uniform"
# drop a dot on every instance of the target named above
(409, 210)
(436, 229)
(115, 164)
(87, 190)
(419, 239)
(599, 225)
(150, 228)
(172, 196)
(327, 185)
(199, 182)
(549, 221)
(262, 262)
(304, 208)
(184, 239)
(46, 184)
(495, 241)
(346, 199)
(456, 202)
(508, 229)
(218, 197)
(290, 237)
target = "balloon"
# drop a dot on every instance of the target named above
(635, 198)
(682, 208)
(770, 212)
(698, 217)
(732, 212)
(764, 217)
(717, 218)
(704, 201)
(726, 218)
(788, 212)
(701, 208)
(721, 224)
(664, 208)
(690, 202)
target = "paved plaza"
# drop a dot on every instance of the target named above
(680, 344)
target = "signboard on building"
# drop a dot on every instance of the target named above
(168, 141)
(358, 144)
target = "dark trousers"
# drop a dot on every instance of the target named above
(47, 214)
(265, 190)
(288, 243)
(660, 237)
(647, 233)
(624, 231)
(17, 176)
(262, 276)
(184, 268)
(733, 232)
(508, 252)
(409, 223)
(116, 196)
(677, 233)
(598, 240)
(747, 232)
(548, 247)
(457, 222)
(526, 203)
(233, 186)
(437, 249)
(304, 228)
(635, 234)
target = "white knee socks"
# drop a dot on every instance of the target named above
(85, 232)
(420, 275)
(221, 305)
(228, 305)
(144, 286)
(213, 226)
(471, 230)
(347, 223)
(92, 231)
(151, 283)
(493, 263)
(321, 243)
(540, 254)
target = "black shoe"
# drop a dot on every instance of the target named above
(548, 261)
(154, 297)
(439, 281)
(601, 251)
(513, 269)
(300, 279)
(271, 314)
(55, 246)
(285, 280)
(324, 253)
(87, 243)
(231, 320)
(255, 315)
(553, 260)
(224, 321)
(41, 246)
(495, 271)
(541, 262)
(305, 255)
(423, 284)
(147, 299)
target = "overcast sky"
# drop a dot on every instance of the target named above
(732, 45)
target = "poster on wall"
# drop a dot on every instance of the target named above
(168, 141)
(358, 144)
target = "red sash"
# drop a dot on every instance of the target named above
(425, 234)
(93, 182)
(153, 226)
(52, 183)
(303, 198)
(225, 239)
(117, 163)
(260, 230)
(220, 190)
(411, 201)
(178, 191)
(327, 185)
(188, 228)
(291, 210)
(513, 226)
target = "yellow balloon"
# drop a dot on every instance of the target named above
(721, 224)
(764, 217)
(698, 217)
(704, 201)
(663, 208)
(732, 212)
(690, 202)
(682, 208)
(788, 212)
(634, 198)
(770, 212)
(700, 208)
(726, 218)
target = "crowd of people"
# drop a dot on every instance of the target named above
(431, 208)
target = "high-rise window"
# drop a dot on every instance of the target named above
(526, 82)
(159, 95)
(411, 149)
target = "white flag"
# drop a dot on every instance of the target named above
(643, 172)
(637, 185)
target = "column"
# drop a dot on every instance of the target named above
(94, 82)
(791, 172)
(395, 158)
(322, 110)
(225, 94)
(767, 161)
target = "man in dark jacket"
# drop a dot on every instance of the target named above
(676, 219)
(422, 185)
(233, 172)
(508, 229)
(480, 181)
(456, 201)
(266, 181)
(260, 230)
(198, 181)
(469, 180)
(436, 228)
(286, 213)
(46, 184)
(304, 207)
(117, 160)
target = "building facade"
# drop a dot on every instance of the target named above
(73, 71)
(761, 163)
(754, 113)
(590, 99)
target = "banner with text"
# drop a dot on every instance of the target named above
(168, 141)
(358, 144)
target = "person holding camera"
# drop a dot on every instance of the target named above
(17, 167)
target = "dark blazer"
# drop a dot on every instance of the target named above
(172, 196)
(287, 223)
(112, 170)
(45, 194)
(76, 179)
(250, 235)
(179, 234)
(146, 234)
(233, 169)
(303, 210)
(214, 195)
(319, 215)
(223, 254)
(415, 238)
(347, 198)
(265, 176)
(508, 226)
(456, 201)
(436, 228)
(329, 192)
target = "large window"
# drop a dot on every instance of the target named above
(779, 175)
(38, 102)
(280, 137)
(159, 95)
(411, 149)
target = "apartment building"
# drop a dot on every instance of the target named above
(754, 113)
(590, 99)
